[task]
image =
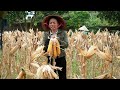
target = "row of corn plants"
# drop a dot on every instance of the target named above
(88, 56)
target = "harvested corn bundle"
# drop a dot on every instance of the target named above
(54, 48)
(46, 72)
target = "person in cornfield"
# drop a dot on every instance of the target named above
(55, 25)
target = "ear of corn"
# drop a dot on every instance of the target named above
(21, 75)
(58, 47)
(35, 65)
(56, 68)
(54, 75)
(50, 48)
(46, 72)
(54, 48)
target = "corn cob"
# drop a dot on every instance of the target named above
(45, 74)
(54, 75)
(58, 47)
(54, 50)
(21, 75)
(50, 48)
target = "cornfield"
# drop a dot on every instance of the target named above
(91, 56)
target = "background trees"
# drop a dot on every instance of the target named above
(74, 19)
(113, 17)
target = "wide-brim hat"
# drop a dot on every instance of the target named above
(83, 28)
(60, 20)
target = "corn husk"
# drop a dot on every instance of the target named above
(88, 54)
(21, 75)
(106, 56)
(46, 72)
(37, 53)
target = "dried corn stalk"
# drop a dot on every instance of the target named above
(104, 55)
(88, 53)
(37, 53)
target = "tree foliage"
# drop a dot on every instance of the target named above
(74, 19)
(15, 16)
(112, 17)
(2, 14)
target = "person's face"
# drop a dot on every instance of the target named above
(53, 24)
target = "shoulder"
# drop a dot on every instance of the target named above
(46, 32)
(65, 32)
(62, 31)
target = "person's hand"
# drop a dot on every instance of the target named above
(54, 36)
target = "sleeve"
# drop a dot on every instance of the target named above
(64, 42)
(45, 41)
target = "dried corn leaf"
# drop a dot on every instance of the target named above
(104, 76)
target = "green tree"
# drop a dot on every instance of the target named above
(15, 16)
(75, 19)
(94, 21)
(113, 17)
(53, 12)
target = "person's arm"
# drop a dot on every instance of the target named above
(44, 38)
(64, 42)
